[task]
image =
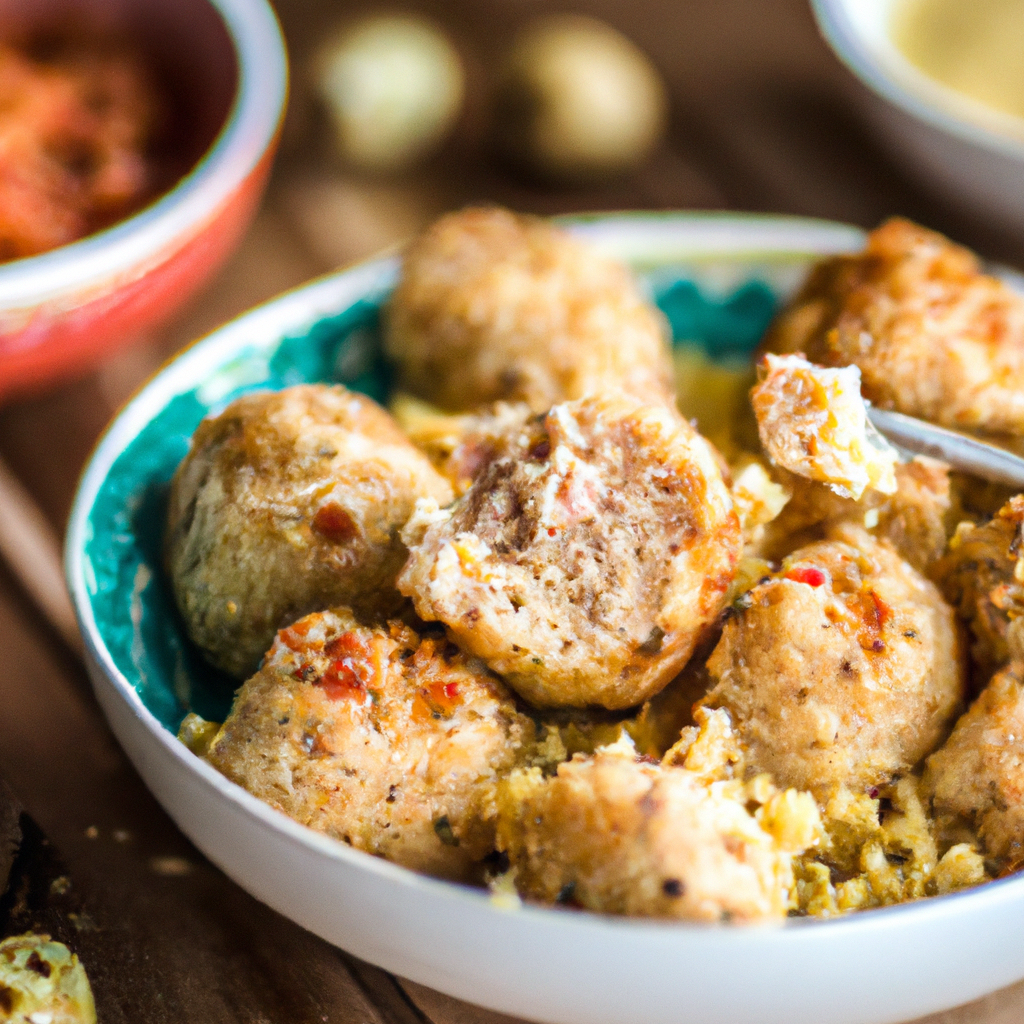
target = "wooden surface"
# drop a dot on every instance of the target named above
(764, 119)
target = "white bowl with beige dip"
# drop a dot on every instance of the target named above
(952, 73)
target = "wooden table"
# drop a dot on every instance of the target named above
(764, 119)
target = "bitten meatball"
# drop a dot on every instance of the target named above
(979, 772)
(491, 305)
(387, 740)
(618, 834)
(982, 575)
(933, 336)
(813, 422)
(289, 502)
(587, 559)
(844, 668)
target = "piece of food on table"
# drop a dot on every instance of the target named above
(77, 121)
(393, 88)
(620, 834)
(914, 519)
(933, 336)
(389, 740)
(844, 668)
(43, 982)
(978, 774)
(576, 100)
(459, 445)
(494, 306)
(813, 422)
(587, 559)
(982, 576)
(289, 502)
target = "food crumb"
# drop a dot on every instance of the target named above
(170, 867)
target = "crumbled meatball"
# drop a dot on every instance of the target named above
(913, 520)
(289, 502)
(979, 772)
(586, 561)
(844, 668)
(458, 445)
(982, 576)
(387, 740)
(619, 834)
(491, 305)
(813, 422)
(43, 982)
(933, 336)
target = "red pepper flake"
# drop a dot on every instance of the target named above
(873, 792)
(334, 523)
(551, 531)
(807, 574)
(341, 681)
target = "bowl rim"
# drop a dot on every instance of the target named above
(906, 86)
(711, 234)
(126, 249)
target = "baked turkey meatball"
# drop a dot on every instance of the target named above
(982, 575)
(933, 336)
(387, 740)
(618, 834)
(587, 559)
(978, 774)
(289, 502)
(843, 669)
(913, 519)
(491, 305)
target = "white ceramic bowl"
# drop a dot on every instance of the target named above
(964, 150)
(712, 274)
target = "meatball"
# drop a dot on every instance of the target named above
(491, 305)
(844, 668)
(813, 422)
(387, 740)
(933, 336)
(621, 835)
(979, 772)
(289, 502)
(913, 519)
(982, 575)
(587, 559)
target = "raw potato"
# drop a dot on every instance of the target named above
(494, 306)
(387, 740)
(843, 669)
(289, 502)
(933, 336)
(587, 560)
(578, 100)
(393, 86)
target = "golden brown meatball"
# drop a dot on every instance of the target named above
(844, 668)
(933, 336)
(387, 740)
(982, 576)
(586, 561)
(621, 835)
(979, 772)
(289, 502)
(491, 305)
(913, 519)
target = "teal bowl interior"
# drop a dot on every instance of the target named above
(721, 301)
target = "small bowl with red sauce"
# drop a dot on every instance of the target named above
(135, 141)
